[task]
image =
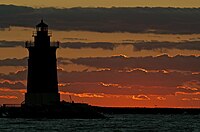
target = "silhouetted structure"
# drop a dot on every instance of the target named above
(42, 99)
(42, 83)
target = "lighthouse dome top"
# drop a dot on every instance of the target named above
(42, 24)
(43, 27)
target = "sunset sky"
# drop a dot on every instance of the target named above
(121, 53)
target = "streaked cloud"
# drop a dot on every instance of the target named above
(124, 83)
(190, 86)
(116, 78)
(190, 99)
(97, 88)
(140, 97)
(98, 84)
(161, 98)
(8, 97)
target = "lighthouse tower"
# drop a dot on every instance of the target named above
(42, 83)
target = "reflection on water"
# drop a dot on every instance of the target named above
(115, 123)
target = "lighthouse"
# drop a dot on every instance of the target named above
(42, 99)
(42, 82)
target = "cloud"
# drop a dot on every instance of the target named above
(124, 83)
(134, 20)
(155, 45)
(140, 97)
(190, 86)
(161, 98)
(163, 62)
(97, 88)
(118, 79)
(8, 97)
(72, 45)
(135, 78)
(80, 45)
(110, 82)
(12, 85)
(4, 43)
(15, 76)
(88, 95)
(137, 46)
(185, 99)
(75, 39)
(14, 62)
(24, 61)
(189, 99)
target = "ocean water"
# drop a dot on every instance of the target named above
(117, 123)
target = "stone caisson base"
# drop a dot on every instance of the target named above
(42, 98)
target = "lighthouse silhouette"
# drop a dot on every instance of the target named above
(42, 82)
(42, 99)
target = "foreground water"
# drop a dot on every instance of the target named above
(115, 123)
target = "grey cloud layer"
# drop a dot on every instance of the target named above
(73, 45)
(17, 76)
(154, 45)
(4, 43)
(136, 20)
(14, 62)
(16, 85)
(164, 62)
(80, 45)
(137, 46)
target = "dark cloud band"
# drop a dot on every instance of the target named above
(155, 45)
(163, 62)
(134, 20)
(137, 46)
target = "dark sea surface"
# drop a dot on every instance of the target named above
(117, 123)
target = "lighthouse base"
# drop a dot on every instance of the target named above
(40, 99)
